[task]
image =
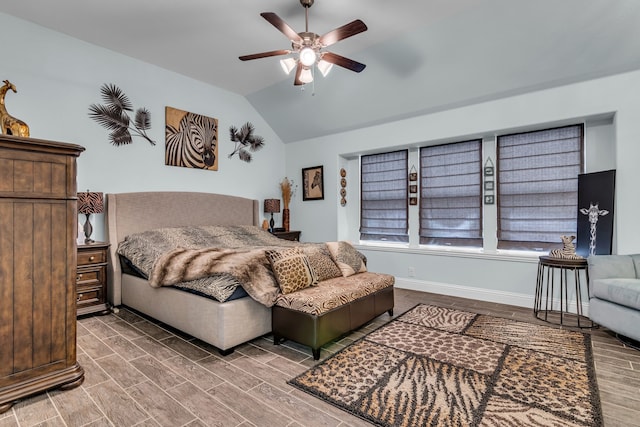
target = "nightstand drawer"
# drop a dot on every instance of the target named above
(89, 297)
(91, 257)
(91, 276)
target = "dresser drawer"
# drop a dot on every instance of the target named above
(86, 257)
(91, 276)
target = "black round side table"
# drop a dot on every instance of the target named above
(555, 273)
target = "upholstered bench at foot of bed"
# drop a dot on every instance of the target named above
(317, 315)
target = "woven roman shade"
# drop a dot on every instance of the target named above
(538, 187)
(451, 194)
(383, 205)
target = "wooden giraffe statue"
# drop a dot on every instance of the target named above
(594, 212)
(9, 124)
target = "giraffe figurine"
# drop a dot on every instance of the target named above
(9, 124)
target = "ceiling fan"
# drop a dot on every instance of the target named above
(308, 48)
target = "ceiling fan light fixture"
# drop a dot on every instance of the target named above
(306, 76)
(307, 48)
(288, 65)
(307, 56)
(324, 67)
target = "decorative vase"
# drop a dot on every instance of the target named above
(285, 219)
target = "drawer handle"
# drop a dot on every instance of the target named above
(92, 258)
(79, 297)
(78, 277)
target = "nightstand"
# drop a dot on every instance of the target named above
(287, 235)
(91, 279)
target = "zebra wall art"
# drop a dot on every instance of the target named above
(191, 140)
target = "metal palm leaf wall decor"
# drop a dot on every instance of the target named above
(113, 116)
(245, 141)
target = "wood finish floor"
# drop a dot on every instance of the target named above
(140, 373)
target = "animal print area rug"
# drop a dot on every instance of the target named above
(436, 366)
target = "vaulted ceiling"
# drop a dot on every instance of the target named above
(422, 56)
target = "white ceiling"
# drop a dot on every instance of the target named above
(421, 55)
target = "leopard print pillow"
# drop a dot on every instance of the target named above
(292, 269)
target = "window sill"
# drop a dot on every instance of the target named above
(499, 255)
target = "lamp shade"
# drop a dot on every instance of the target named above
(90, 202)
(271, 205)
(306, 76)
(288, 64)
(324, 67)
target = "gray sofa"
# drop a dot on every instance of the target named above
(614, 284)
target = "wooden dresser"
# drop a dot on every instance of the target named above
(91, 278)
(38, 228)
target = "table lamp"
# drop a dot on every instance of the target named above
(271, 206)
(90, 203)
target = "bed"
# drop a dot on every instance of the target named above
(223, 325)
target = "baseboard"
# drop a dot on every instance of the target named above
(480, 294)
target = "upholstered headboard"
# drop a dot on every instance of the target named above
(129, 213)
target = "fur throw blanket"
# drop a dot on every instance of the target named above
(250, 267)
(147, 252)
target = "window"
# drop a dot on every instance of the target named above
(384, 210)
(451, 194)
(538, 187)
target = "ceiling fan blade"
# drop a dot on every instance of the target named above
(347, 63)
(282, 26)
(264, 55)
(347, 30)
(297, 81)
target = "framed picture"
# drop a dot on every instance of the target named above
(488, 200)
(413, 174)
(413, 201)
(313, 183)
(191, 140)
(413, 188)
(595, 213)
(488, 186)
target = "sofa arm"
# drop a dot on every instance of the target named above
(636, 262)
(611, 266)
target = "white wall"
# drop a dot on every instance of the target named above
(58, 77)
(607, 105)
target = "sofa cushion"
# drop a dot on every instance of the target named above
(292, 269)
(348, 259)
(621, 291)
(611, 266)
(333, 293)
